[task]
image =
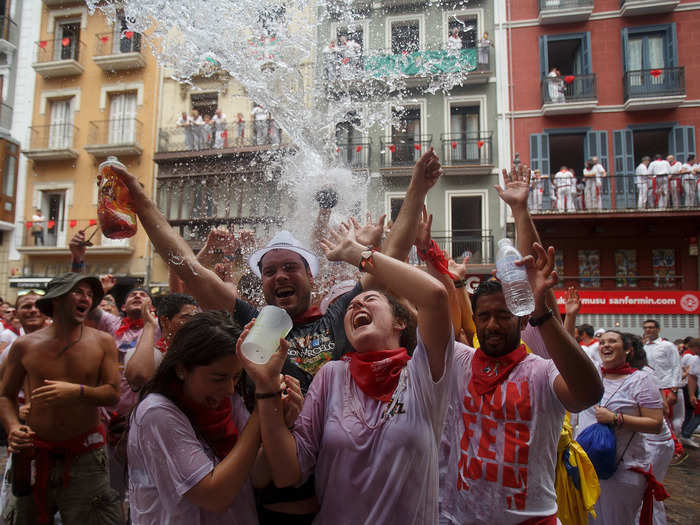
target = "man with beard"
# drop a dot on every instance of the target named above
(505, 418)
(71, 370)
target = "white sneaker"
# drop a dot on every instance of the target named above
(689, 442)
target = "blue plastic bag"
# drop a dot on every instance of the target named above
(600, 444)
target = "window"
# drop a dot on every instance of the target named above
(350, 34)
(124, 40)
(405, 36)
(61, 127)
(466, 228)
(10, 152)
(467, 27)
(67, 43)
(569, 53)
(465, 133)
(53, 208)
(631, 144)
(122, 118)
(589, 268)
(559, 267)
(651, 47)
(626, 268)
(406, 135)
(205, 103)
(395, 204)
(663, 263)
(570, 148)
(352, 148)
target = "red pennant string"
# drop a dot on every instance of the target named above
(42, 44)
(569, 79)
(454, 145)
(51, 224)
(72, 223)
(392, 148)
(128, 34)
(92, 222)
(65, 42)
(480, 144)
(655, 73)
(358, 148)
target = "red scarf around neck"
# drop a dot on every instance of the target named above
(214, 425)
(623, 370)
(128, 324)
(488, 372)
(161, 345)
(9, 326)
(377, 373)
(309, 316)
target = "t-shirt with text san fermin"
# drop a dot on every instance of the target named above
(311, 345)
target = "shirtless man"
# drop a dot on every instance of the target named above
(71, 370)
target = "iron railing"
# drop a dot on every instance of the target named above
(112, 44)
(59, 49)
(52, 137)
(125, 131)
(618, 192)
(354, 153)
(404, 150)
(5, 116)
(55, 232)
(546, 5)
(235, 135)
(467, 148)
(657, 82)
(568, 88)
(476, 244)
(8, 30)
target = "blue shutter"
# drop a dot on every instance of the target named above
(671, 46)
(544, 59)
(681, 142)
(539, 152)
(623, 149)
(596, 145)
(587, 61)
(625, 34)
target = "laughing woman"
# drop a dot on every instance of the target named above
(371, 424)
(632, 405)
(188, 462)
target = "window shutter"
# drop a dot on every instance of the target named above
(625, 34)
(539, 152)
(682, 142)
(672, 46)
(544, 59)
(587, 62)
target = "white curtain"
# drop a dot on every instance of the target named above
(61, 128)
(634, 62)
(467, 124)
(122, 114)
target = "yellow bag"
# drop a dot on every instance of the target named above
(576, 484)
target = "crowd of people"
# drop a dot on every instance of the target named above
(397, 396)
(660, 184)
(212, 131)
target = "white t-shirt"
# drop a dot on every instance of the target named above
(587, 174)
(662, 356)
(563, 180)
(675, 168)
(641, 174)
(8, 336)
(592, 351)
(688, 174)
(166, 459)
(219, 122)
(385, 474)
(259, 113)
(659, 167)
(184, 121)
(665, 433)
(500, 470)
(626, 395)
(599, 172)
(686, 361)
(454, 42)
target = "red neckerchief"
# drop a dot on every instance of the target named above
(9, 326)
(593, 341)
(215, 425)
(688, 352)
(623, 370)
(45, 460)
(488, 372)
(654, 490)
(312, 314)
(435, 256)
(377, 373)
(128, 324)
(162, 345)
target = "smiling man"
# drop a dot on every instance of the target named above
(71, 370)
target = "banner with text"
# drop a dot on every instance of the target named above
(635, 302)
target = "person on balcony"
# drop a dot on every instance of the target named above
(351, 52)
(555, 86)
(600, 174)
(483, 51)
(641, 179)
(259, 116)
(564, 182)
(537, 182)
(674, 181)
(659, 170)
(454, 41)
(590, 191)
(38, 221)
(208, 132)
(185, 122)
(197, 130)
(689, 180)
(240, 129)
(331, 60)
(220, 132)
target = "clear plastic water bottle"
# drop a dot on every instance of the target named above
(516, 287)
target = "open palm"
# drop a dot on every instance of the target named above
(517, 186)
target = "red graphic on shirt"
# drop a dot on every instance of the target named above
(487, 418)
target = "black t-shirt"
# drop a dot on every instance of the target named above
(313, 344)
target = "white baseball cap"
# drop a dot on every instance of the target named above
(283, 241)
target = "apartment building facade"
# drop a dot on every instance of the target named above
(612, 79)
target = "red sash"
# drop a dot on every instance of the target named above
(377, 373)
(541, 520)
(46, 452)
(488, 372)
(128, 324)
(654, 490)
(437, 258)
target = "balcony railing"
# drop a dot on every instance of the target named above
(5, 116)
(8, 30)
(404, 150)
(647, 7)
(59, 58)
(236, 135)
(564, 11)
(475, 244)
(568, 88)
(54, 233)
(52, 142)
(355, 154)
(616, 193)
(385, 63)
(467, 148)
(659, 82)
(119, 52)
(114, 137)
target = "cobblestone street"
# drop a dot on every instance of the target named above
(683, 484)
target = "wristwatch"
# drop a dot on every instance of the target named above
(537, 321)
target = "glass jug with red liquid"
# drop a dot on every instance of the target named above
(114, 207)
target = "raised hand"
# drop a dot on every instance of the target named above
(370, 234)
(423, 236)
(292, 399)
(147, 313)
(573, 301)
(540, 272)
(77, 246)
(427, 171)
(517, 186)
(341, 244)
(265, 376)
(460, 270)
(108, 282)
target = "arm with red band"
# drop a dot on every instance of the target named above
(434, 256)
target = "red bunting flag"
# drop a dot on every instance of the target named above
(104, 39)
(92, 222)
(128, 34)
(72, 223)
(28, 224)
(655, 73)
(417, 147)
(337, 150)
(454, 145)
(51, 224)
(569, 79)
(480, 144)
(358, 148)
(345, 60)
(404, 52)
(392, 148)
(42, 44)
(65, 42)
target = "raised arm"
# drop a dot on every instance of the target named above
(578, 385)
(572, 308)
(142, 365)
(210, 292)
(463, 300)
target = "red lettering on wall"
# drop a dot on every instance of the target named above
(516, 448)
(492, 404)
(469, 419)
(491, 472)
(521, 400)
(488, 438)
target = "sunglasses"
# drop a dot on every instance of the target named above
(32, 291)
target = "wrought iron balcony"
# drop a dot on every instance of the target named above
(646, 7)
(354, 154)
(120, 137)
(52, 235)
(475, 244)
(5, 116)
(564, 11)
(403, 151)
(8, 30)
(52, 142)
(569, 94)
(467, 153)
(654, 88)
(119, 52)
(62, 57)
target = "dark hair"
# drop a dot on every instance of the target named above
(690, 157)
(586, 329)
(694, 342)
(401, 313)
(208, 336)
(637, 358)
(135, 289)
(489, 287)
(656, 323)
(170, 305)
